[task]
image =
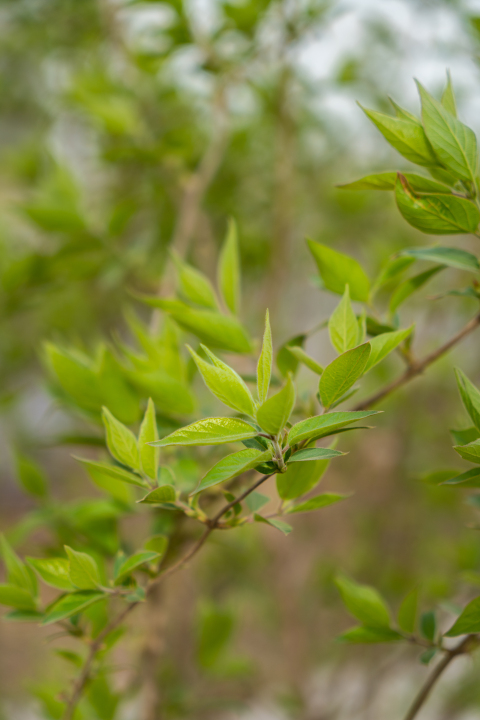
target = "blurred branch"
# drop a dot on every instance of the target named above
(417, 367)
(97, 644)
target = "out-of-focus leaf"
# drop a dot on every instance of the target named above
(69, 605)
(84, 572)
(383, 345)
(133, 563)
(162, 494)
(387, 180)
(470, 396)
(408, 287)
(229, 280)
(407, 613)
(453, 257)
(468, 622)
(53, 571)
(364, 603)
(338, 270)
(277, 524)
(317, 502)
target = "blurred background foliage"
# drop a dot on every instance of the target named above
(128, 129)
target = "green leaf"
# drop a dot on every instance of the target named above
(383, 345)
(434, 213)
(69, 605)
(410, 286)
(448, 97)
(264, 367)
(453, 257)
(273, 414)
(300, 478)
(214, 630)
(407, 136)
(17, 597)
(367, 635)
(113, 471)
(391, 271)
(149, 454)
(320, 426)
(468, 479)
(224, 382)
(407, 613)
(428, 655)
(212, 328)
(387, 180)
(469, 452)
(470, 396)
(468, 622)
(76, 377)
(84, 572)
(338, 270)
(193, 285)
(233, 465)
(117, 393)
(428, 625)
(211, 431)
(17, 572)
(121, 442)
(463, 437)
(255, 501)
(277, 524)
(364, 603)
(133, 563)
(31, 476)
(300, 354)
(309, 454)
(170, 395)
(317, 502)
(157, 544)
(53, 571)
(162, 494)
(342, 373)
(453, 142)
(229, 269)
(342, 326)
(286, 361)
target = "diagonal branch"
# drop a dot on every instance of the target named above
(97, 644)
(418, 367)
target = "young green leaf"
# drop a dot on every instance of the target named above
(69, 605)
(342, 326)
(157, 544)
(407, 613)
(453, 257)
(264, 367)
(338, 270)
(194, 285)
(84, 572)
(300, 354)
(367, 635)
(17, 572)
(320, 426)
(229, 269)
(133, 563)
(162, 494)
(149, 454)
(468, 622)
(113, 471)
(470, 396)
(463, 437)
(121, 442)
(317, 502)
(233, 465)
(31, 476)
(342, 373)
(255, 501)
(434, 213)
(212, 328)
(16, 597)
(273, 414)
(300, 478)
(428, 625)
(76, 377)
(453, 142)
(469, 452)
(211, 431)
(287, 362)
(313, 453)
(405, 135)
(224, 383)
(364, 603)
(118, 394)
(408, 287)
(277, 524)
(387, 180)
(53, 571)
(468, 479)
(394, 268)
(383, 345)
(448, 97)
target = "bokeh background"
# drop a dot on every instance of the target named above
(113, 115)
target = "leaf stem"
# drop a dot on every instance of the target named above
(418, 367)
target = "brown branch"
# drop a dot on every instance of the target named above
(97, 644)
(418, 367)
(461, 649)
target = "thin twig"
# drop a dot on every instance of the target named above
(418, 367)
(97, 644)
(461, 649)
